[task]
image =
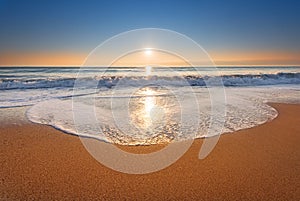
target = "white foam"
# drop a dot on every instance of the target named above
(246, 108)
(172, 79)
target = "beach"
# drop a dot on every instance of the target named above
(260, 163)
(196, 100)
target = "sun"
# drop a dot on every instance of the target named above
(148, 52)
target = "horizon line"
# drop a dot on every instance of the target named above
(178, 66)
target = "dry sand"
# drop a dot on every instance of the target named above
(261, 163)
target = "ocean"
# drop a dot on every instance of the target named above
(138, 106)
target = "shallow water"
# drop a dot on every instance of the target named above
(156, 116)
(124, 106)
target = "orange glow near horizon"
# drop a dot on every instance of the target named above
(41, 59)
(256, 58)
(219, 58)
(150, 57)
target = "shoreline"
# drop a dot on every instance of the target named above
(259, 163)
(23, 120)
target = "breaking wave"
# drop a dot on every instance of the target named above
(10, 83)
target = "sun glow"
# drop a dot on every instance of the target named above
(148, 52)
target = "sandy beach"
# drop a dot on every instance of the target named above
(262, 163)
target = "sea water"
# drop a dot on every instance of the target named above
(126, 106)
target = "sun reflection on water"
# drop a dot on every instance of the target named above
(149, 101)
(154, 114)
(149, 110)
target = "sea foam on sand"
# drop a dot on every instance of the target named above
(245, 108)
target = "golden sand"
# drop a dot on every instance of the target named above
(261, 163)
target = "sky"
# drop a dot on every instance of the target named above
(52, 32)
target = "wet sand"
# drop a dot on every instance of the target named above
(261, 163)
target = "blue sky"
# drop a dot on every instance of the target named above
(221, 27)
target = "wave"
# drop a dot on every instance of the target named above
(10, 83)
